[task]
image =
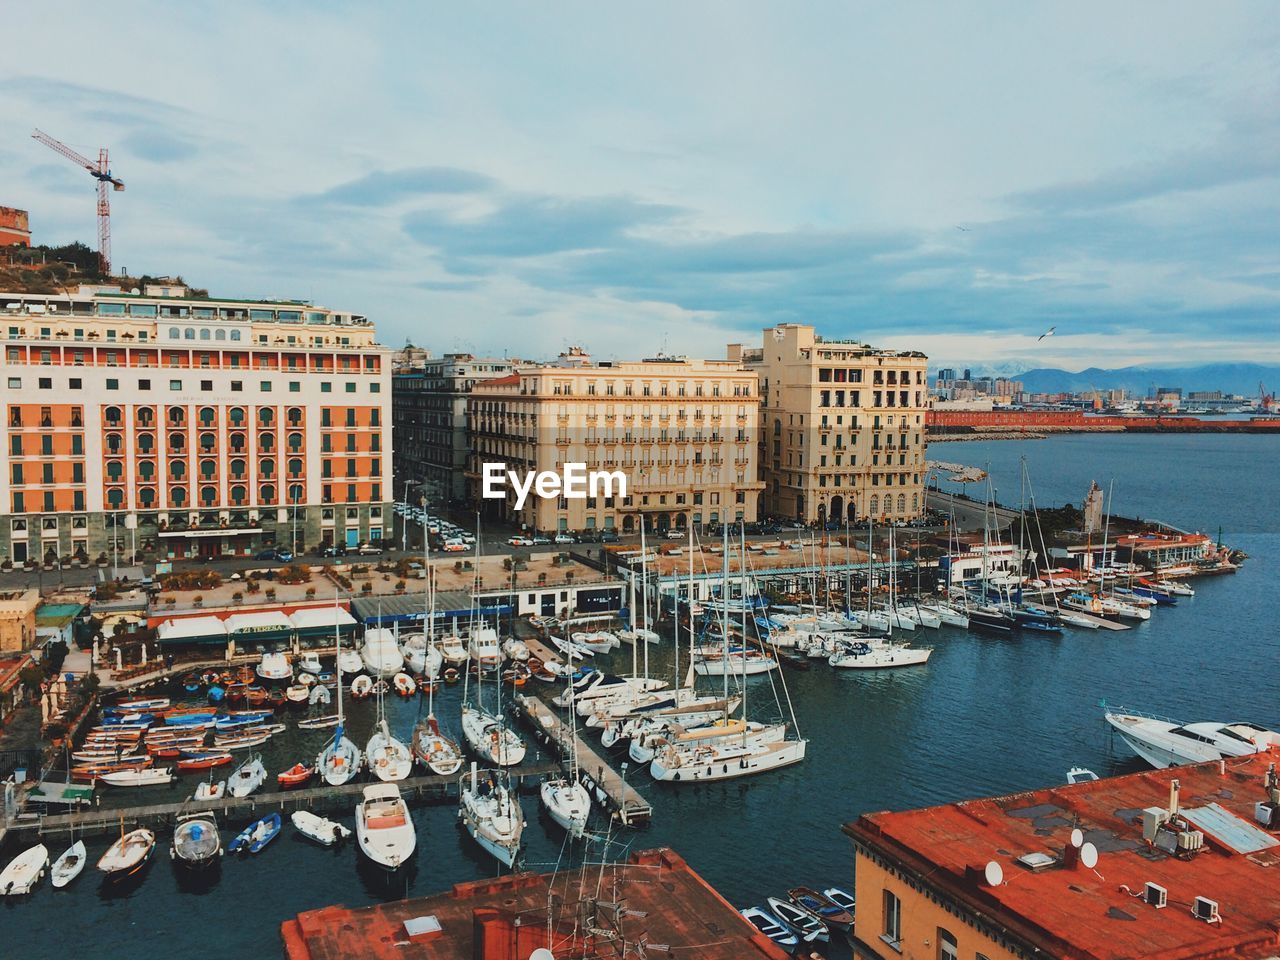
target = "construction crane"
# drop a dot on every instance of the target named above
(100, 171)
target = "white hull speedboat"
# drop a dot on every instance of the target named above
(567, 803)
(349, 662)
(422, 658)
(515, 649)
(490, 738)
(310, 663)
(24, 872)
(384, 828)
(322, 831)
(453, 650)
(388, 758)
(597, 641)
(492, 815)
(1166, 743)
(248, 777)
(878, 656)
(380, 655)
(484, 648)
(725, 761)
(275, 668)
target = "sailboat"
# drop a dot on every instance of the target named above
(435, 751)
(340, 760)
(128, 854)
(564, 797)
(387, 757)
(68, 866)
(384, 828)
(490, 811)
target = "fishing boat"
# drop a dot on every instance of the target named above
(253, 838)
(361, 687)
(821, 905)
(128, 855)
(24, 871)
(323, 831)
(1168, 743)
(196, 841)
(490, 811)
(138, 778)
(339, 761)
(772, 927)
(275, 668)
(204, 761)
(380, 654)
(483, 648)
(248, 777)
(453, 650)
(68, 866)
(403, 685)
(295, 776)
(865, 655)
(212, 791)
(384, 828)
(808, 926)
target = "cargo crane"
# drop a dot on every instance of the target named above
(1266, 401)
(100, 171)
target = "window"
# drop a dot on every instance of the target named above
(144, 384)
(206, 385)
(46, 383)
(175, 384)
(326, 387)
(295, 386)
(351, 387)
(75, 383)
(15, 383)
(891, 931)
(375, 388)
(266, 386)
(237, 386)
(948, 949)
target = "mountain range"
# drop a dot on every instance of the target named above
(1240, 378)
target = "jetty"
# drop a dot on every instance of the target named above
(621, 799)
(103, 820)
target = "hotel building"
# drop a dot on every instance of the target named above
(429, 419)
(682, 431)
(842, 434)
(161, 425)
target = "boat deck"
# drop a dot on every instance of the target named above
(625, 803)
(1102, 622)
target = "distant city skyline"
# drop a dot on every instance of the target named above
(518, 179)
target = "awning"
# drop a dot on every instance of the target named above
(210, 532)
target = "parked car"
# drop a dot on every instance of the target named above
(677, 535)
(541, 540)
(609, 536)
(520, 542)
(565, 538)
(455, 546)
(266, 555)
(284, 556)
(333, 550)
(369, 549)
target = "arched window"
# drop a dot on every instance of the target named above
(178, 496)
(235, 334)
(115, 498)
(295, 416)
(267, 493)
(266, 442)
(295, 443)
(267, 468)
(220, 335)
(237, 468)
(206, 416)
(208, 469)
(177, 442)
(177, 416)
(295, 493)
(915, 501)
(875, 507)
(237, 496)
(236, 416)
(115, 470)
(146, 443)
(175, 333)
(207, 441)
(237, 442)
(295, 467)
(902, 503)
(114, 443)
(266, 416)
(147, 496)
(177, 469)
(208, 496)
(189, 334)
(146, 416)
(204, 334)
(112, 415)
(146, 469)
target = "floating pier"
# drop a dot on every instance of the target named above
(624, 802)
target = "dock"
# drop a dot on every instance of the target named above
(108, 819)
(623, 801)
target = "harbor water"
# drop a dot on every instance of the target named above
(986, 716)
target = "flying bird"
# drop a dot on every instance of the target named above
(962, 229)
(1047, 333)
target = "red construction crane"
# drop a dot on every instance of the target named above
(100, 171)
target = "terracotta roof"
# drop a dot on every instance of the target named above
(1071, 911)
(510, 380)
(655, 898)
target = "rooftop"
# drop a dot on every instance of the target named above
(655, 900)
(1069, 910)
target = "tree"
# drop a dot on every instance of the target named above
(31, 677)
(56, 655)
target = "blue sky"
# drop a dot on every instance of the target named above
(520, 177)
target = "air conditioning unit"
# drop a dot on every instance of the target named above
(1153, 818)
(1206, 910)
(1264, 813)
(1190, 840)
(1156, 895)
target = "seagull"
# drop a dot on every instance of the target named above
(1047, 333)
(962, 229)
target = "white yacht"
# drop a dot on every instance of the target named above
(724, 760)
(491, 813)
(349, 661)
(275, 668)
(380, 654)
(866, 655)
(485, 648)
(488, 736)
(1167, 743)
(421, 657)
(384, 828)
(388, 758)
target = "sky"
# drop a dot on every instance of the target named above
(514, 178)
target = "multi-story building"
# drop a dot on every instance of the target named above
(15, 228)
(682, 431)
(164, 425)
(429, 419)
(841, 427)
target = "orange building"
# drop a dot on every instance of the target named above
(1176, 863)
(15, 229)
(162, 425)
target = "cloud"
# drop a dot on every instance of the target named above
(383, 187)
(159, 146)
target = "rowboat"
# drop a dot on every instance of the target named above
(128, 855)
(827, 909)
(138, 778)
(24, 871)
(318, 723)
(204, 761)
(68, 866)
(257, 835)
(295, 776)
(212, 791)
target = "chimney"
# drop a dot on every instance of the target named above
(1173, 798)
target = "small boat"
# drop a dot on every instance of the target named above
(68, 866)
(257, 835)
(404, 685)
(24, 871)
(295, 776)
(138, 778)
(597, 641)
(517, 675)
(319, 694)
(322, 831)
(380, 654)
(276, 697)
(275, 668)
(808, 926)
(823, 906)
(310, 662)
(841, 898)
(212, 791)
(256, 696)
(349, 661)
(132, 706)
(191, 683)
(204, 761)
(515, 649)
(1080, 775)
(246, 741)
(298, 695)
(318, 723)
(248, 777)
(453, 650)
(451, 675)
(772, 927)
(384, 828)
(196, 841)
(128, 855)
(361, 687)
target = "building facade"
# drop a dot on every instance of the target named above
(682, 431)
(841, 427)
(429, 420)
(15, 228)
(159, 425)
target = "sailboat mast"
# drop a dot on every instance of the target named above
(724, 611)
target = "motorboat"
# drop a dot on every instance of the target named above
(381, 654)
(772, 927)
(862, 655)
(255, 837)
(490, 811)
(275, 668)
(403, 685)
(1080, 775)
(597, 641)
(310, 663)
(248, 777)
(434, 750)
(361, 686)
(821, 906)
(296, 776)
(484, 648)
(567, 803)
(24, 871)
(384, 828)
(388, 758)
(138, 778)
(808, 926)
(453, 650)
(737, 662)
(489, 737)
(349, 661)
(196, 841)
(515, 649)
(1167, 743)
(210, 790)
(724, 760)
(68, 866)
(127, 855)
(421, 657)
(323, 831)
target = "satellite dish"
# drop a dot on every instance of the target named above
(994, 874)
(1077, 838)
(1089, 855)
(542, 953)
(135, 291)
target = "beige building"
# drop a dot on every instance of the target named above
(842, 427)
(682, 431)
(18, 619)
